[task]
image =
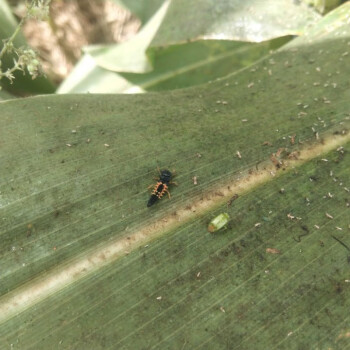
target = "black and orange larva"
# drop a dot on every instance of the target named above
(161, 186)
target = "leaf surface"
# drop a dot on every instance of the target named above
(86, 264)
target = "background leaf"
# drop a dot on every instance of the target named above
(5, 95)
(252, 20)
(9, 23)
(201, 61)
(22, 84)
(142, 9)
(179, 57)
(324, 6)
(130, 56)
(183, 21)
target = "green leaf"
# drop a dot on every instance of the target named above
(9, 24)
(5, 95)
(85, 264)
(130, 56)
(142, 9)
(182, 21)
(177, 64)
(251, 20)
(22, 84)
(200, 61)
(324, 6)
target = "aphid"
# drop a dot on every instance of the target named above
(161, 187)
(218, 222)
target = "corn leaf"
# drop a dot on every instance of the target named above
(86, 265)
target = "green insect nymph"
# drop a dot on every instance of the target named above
(218, 222)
